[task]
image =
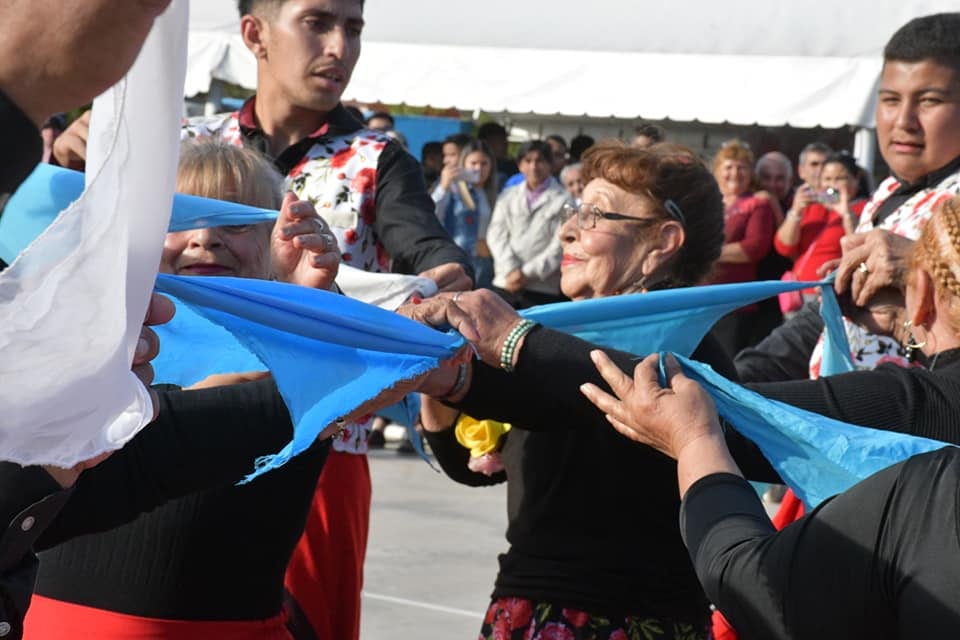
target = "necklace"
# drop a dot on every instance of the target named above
(933, 363)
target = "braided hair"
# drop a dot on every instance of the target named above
(937, 252)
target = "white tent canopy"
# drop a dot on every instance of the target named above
(808, 63)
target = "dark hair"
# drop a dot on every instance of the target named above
(649, 130)
(383, 114)
(848, 161)
(668, 172)
(491, 130)
(539, 146)
(578, 145)
(247, 6)
(430, 147)
(935, 37)
(557, 138)
(491, 189)
(355, 112)
(459, 139)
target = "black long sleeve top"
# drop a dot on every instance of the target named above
(592, 515)
(881, 560)
(219, 554)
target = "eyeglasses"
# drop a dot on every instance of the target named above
(588, 214)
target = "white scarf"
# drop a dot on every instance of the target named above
(72, 304)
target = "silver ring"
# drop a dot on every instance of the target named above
(457, 295)
(862, 268)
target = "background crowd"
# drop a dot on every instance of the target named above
(133, 547)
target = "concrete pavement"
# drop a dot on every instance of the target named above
(432, 554)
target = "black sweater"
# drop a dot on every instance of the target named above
(881, 560)
(592, 515)
(215, 555)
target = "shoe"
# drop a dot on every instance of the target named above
(406, 446)
(376, 440)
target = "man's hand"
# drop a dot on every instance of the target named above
(303, 250)
(70, 147)
(449, 277)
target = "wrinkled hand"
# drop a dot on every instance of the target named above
(666, 418)
(227, 379)
(70, 147)
(884, 314)
(515, 281)
(441, 311)
(885, 256)
(492, 317)
(449, 277)
(303, 250)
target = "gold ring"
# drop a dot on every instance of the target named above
(862, 268)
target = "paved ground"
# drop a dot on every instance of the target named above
(431, 560)
(432, 554)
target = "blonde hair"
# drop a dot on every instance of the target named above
(213, 168)
(937, 251)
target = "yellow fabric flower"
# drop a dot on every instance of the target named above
(480, 436)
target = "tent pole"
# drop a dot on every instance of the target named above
(214, 95)
(865, 148)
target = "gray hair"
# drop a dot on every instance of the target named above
(815, 147)
(576, 166)
(775, 156)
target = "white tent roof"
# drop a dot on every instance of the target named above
(770, 62)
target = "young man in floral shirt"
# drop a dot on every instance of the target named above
(371, 193)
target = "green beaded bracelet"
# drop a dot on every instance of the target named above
(510, 344)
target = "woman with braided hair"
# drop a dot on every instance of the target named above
(881, 560)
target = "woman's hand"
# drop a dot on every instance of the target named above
(679, 420)
(884, 259)
(493, 318)
(303, 250)
(666, 418)
(442, 311)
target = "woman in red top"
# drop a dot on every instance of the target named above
(812, 228)
(749, 224)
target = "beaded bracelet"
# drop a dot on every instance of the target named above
(510, 344)
(459, 384)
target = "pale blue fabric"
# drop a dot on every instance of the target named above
(818, 457)
(327, 353)
(49, 190)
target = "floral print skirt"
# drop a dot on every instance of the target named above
(522, 619)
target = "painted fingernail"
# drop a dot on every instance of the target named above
(415, 299)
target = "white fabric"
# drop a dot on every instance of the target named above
(385, 290)
(741, 61)
(72, 304)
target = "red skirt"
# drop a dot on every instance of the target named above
(49, 619)
(325, 573)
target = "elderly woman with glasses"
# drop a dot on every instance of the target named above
(595, 549)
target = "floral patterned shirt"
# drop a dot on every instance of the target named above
(868, 349)
(368, 189)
